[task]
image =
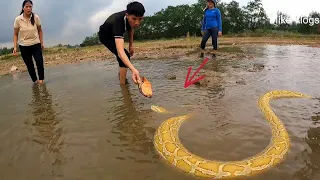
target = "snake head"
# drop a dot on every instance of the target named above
(158, 109)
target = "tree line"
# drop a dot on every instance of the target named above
(5, 50)
(177, 21)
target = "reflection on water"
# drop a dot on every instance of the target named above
(130, 127)
(82, 125)
(311, 155)
(46, 131)
(46, 123)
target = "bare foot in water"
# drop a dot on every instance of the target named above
(36, 82)
(40, 81)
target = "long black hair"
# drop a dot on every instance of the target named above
(32, 16)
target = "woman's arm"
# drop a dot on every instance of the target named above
(219, 19)
(203, 22)
(40, 34)
(15, 36)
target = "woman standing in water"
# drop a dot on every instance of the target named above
(28, 26)
(211, 25)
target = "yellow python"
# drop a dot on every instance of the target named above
(168, 145)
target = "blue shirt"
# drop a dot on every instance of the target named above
(212, 18)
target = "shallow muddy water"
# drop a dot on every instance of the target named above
(82, 125)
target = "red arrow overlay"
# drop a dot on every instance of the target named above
(188, 81)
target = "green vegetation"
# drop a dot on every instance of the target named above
(248, 21)
(6, 53)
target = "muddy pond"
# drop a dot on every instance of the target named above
(81, 124)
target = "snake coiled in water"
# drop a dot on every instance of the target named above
(168, 145)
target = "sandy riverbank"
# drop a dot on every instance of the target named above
(157, 49)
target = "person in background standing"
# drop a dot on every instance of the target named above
(28, 26)
(211, 25)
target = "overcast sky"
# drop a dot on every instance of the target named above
(70, 21)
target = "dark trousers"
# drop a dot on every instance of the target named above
(111, 45)
(213, 32)
(35, 51)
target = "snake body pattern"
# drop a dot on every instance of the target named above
(168, 145)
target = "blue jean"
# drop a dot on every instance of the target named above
(213, 32)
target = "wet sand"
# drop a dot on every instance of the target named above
(183, 48)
